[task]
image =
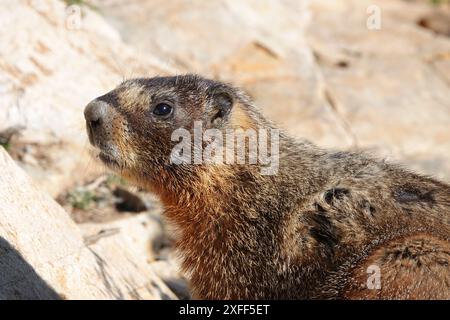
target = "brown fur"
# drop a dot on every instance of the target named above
(310, 231)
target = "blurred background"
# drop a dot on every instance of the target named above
(347, 74)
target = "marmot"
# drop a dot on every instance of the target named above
(326, 225)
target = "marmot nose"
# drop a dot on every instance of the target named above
(98, 121)
(95, 113)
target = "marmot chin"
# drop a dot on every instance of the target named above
(319, 228)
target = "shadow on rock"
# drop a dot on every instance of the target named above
(18, 279)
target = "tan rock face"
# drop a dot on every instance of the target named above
(389, 85)
(43, 254)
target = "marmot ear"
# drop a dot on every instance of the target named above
(221, 104)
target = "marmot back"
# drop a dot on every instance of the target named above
(324, 224)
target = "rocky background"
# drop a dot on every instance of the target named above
(314, 67)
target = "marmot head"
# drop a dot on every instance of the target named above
(131, 126)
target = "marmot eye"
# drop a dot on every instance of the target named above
(162, 109)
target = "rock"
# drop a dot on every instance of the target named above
(47, 77)
(392, 91)
(168, 271)
(7, 134)
(43, 255)
(437, 20)
(139, 235)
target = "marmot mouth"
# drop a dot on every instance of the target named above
(108, 160)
